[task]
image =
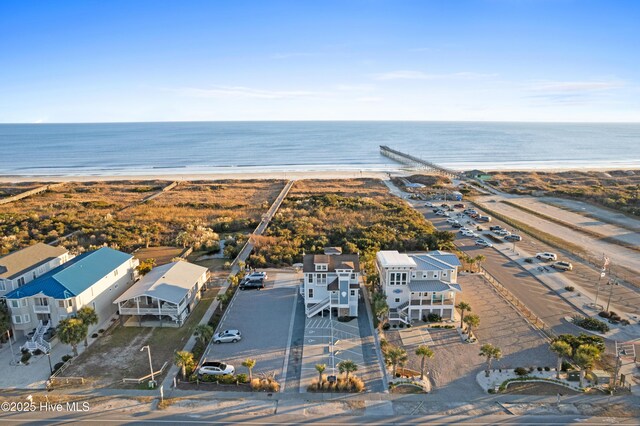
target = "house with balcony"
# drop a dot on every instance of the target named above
(418, 284)
(163, 297)
(331, 283)
(94, 279)
(23, 266)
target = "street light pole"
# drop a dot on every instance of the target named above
(150, 364)
(13, 356)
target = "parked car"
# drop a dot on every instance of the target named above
(440, 212)
(227, 336)
(456, 225)
(428, 204)
(483, 218)
(246, 284)
(513, 237)
(444, 205)
(257, 275)
(495, 228)
(563, 266)
(546, 256)
(469, 233)
(451, 220)
(483, 243)
(459, 206)
(215, 368)
(502, 232)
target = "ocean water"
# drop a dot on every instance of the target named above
(200, 147)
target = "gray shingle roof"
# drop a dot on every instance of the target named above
(19, 262)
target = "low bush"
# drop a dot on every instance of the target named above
(227, 379)
(344, 319)
(591, 324)
(401, 325)
(539, 368)
(57, 366)
(531, 369)
(94, 336)
(625, 322)
(521, 371)
(265, 385)
(38, 352)
(570, 288)
(434, 317)
(354, 385)
(386, 326)
(242, 378)
(66, 358)
(547, 368)
(26, 356)
(604, 314)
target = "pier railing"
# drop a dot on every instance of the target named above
(412, 160)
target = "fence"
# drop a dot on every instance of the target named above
(148, 376)
(532, 318)
(56, 382)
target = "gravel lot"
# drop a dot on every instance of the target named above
(455, 364)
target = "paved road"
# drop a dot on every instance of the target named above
(599, 213)
(619, 255)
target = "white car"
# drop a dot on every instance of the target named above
(440, 213)
(257, 276)
(451, 220)
(503, 232)
(469, 233)
(483, 243)
(227, 336)
(428, 204)
(546, 256)
(464, 229)
(215, 368)
(562, 266)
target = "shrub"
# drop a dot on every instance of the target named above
(227, 379)
(394, 326)
(242, 378)
(267, 385)
(565, 366)
(539, 368)
(101, 331)
(26, 356)
(408, 325)
(401, 325)
(491, 390)
(604, 314)
(38, 352)
(570, 288)
(521, 371)
(547, 368)
(24, 350)
(66, 358)
(344, 319)
(386, 326)
(433, 317)
(94, 336)
(531, 369)
(625, 322)
(590, 324)
(57, 366)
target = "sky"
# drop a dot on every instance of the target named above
(218, 60)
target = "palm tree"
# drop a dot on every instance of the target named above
(425, 352)
(479, 259)
(562, 350)
(320, 368)
(464, 307)
(380, 307)
(89, 317)
(5, 320)
(472, 262)
(490, 352)
(585, 356)
(472, 320)
(396, 357)
(72, 331)
(184, 360)
(249, 364)
(204, 332)
(347, 367)
(223, 299)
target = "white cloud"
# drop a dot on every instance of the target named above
(369, 99)
(246, 92)
(420, 75)
(575, 86)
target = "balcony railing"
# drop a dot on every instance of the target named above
(165, 310)
(428, 302)
(42, 309)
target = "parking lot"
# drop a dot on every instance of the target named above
(264, 317)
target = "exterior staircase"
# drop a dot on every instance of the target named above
(400, 313)
(318, 307)
(37, 341)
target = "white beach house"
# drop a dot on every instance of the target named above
(95, 279)
(165, 296)
(23, 266)
(331, 280)
(418, 284)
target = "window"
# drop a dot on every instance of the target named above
(27, 318)
(310, 293)
(310, 278)
(398, 278)
(353, 276)
(322, 279)
(2, 286)
(20, 281)
(353, 292)
(17, 319)
(321, 267)
(15, 303)
(397, 300)
(24, 302)
(61, 304)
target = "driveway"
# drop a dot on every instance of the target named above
(264, 317)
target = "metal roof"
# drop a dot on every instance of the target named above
(392, 258)
(170, 282)
(72, 278)
(20, 262)
(432, 286)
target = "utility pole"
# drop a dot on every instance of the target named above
(612, 282)
(602, 274)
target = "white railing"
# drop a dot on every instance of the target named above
(323, 304)
(41, 309)
(149, 311)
